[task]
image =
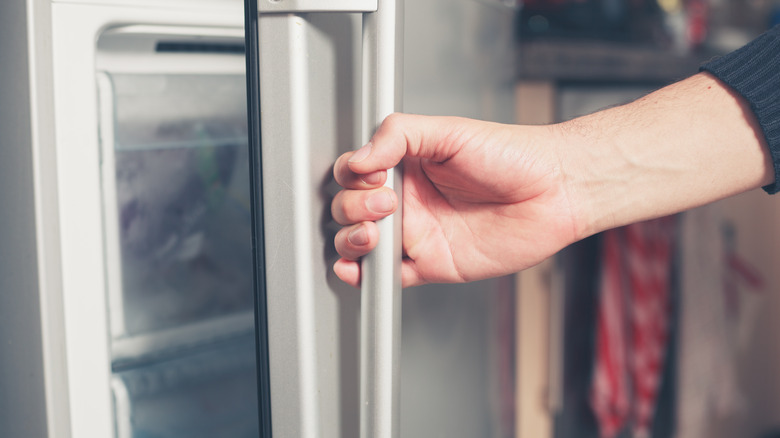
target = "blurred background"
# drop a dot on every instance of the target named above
(661, 329)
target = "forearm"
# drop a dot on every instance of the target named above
(683, 146)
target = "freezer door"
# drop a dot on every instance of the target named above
(321, 77)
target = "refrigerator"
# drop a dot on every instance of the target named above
(166, 241)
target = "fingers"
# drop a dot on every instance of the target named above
(357, 240)
(353, 206)
(409, 274)
(348, 179)
(400, 135)
(349, 272)
(364, 172)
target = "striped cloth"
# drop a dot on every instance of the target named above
(632, 325)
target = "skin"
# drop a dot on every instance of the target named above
(484, 199)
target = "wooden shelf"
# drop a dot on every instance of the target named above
(584, 60)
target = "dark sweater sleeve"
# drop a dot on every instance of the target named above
(754, 72)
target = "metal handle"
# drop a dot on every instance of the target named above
(380, 322)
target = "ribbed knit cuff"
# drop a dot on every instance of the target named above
(754, 72)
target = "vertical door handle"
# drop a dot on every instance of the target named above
(381, 291)
(380, 320)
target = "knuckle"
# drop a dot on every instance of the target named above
(339, 241)
(393, 121)
(337, 207)
(342, 208)
(343, 246)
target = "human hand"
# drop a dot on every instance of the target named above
(480, 199)
(483, 199)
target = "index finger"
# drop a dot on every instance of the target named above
(430, 137)
(350, 179)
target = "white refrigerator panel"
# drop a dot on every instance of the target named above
(309, 118)
(75, 30)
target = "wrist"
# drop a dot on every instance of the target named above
(588, 170)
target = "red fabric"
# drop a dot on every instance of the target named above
(632, 325)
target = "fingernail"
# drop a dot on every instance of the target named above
(361, 153)
(380, 202)
(372, 179)
(358, 236)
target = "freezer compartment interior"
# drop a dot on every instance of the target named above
(202, 394)
(177, 225)
(179, 191)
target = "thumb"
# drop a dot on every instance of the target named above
(400, 135)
